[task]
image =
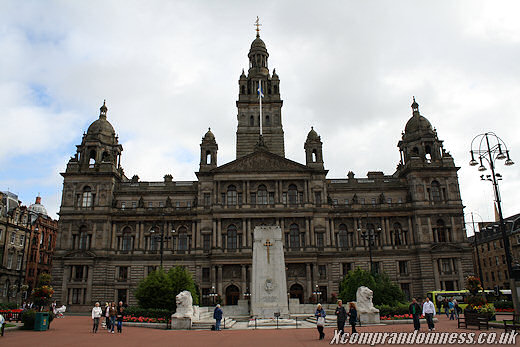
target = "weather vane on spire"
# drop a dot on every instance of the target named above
(258, 25)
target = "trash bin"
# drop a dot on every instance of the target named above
(41, 321)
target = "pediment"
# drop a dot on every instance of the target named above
(80, 254)
(443, 247)
(262, 161)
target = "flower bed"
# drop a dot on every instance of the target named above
(398, 316)
(504, 309)
(141, 319)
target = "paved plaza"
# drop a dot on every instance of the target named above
(76, 331)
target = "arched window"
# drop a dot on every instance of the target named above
(441, 231)
(251, 121)
(86, 198)
(436, 191)
(428, 154)
(208, 157)
(294, 236)
(231, 237)
(342, 236)
(126, 240)
(83, 238)
(92, 158)
(293, 195)
(243, 89)
(262, 195)
(183, 239)
(232, 195)
(397, 234)
(313, 156)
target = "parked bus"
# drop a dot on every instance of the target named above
(438, 296)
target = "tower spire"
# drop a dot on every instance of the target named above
(258, 25)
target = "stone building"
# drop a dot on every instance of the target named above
(112, 227)
(491, 251)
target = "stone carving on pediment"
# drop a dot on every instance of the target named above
(80, 254)
(262, 162)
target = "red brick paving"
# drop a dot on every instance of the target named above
(76, 331)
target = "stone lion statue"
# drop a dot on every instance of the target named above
(364, 303)
(184, 305)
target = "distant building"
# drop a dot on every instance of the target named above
(492, 256)
(111, 226)
(18, 225)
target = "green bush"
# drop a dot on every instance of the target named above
(159, 289)
(147, 312)
(8, 306)
(387, 310)
(28, 317)
(503, 304)
(385, 291)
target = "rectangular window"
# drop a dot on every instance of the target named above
(206, 242)
(207, 199)
(376, 267)
(317, 198)
(78, 272)
(503, 259)
(499, 276)
(253, 198)
(300, 198)
(346, 201)
(240, 198)
(284, 198)
(13, 237)
(161, 204)
(362, 201)
(492, 276)
(223, 197)
(205, 274)
(77, 295)
(373, 201)
(346, 268)
(123, 273)
(389, 201)
(10, 260)
(319, 240)
(123, 205)
(322, 271)
(335, 202)
(496, 260)
(400, 200)
(150, 204)
(403, 267)
(405, 287)
(271, 198)
(151, 269)
(134, 204)
(446, 266)
(22, 239)
(188, 204)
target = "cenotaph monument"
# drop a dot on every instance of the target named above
(269, 292)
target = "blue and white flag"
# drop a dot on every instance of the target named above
(260, 92)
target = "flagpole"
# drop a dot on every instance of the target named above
(260, 97)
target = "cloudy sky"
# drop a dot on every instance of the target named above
(169, 70)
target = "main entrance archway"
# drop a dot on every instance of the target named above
(232, 295)
(296, 292)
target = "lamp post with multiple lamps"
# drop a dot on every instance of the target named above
(213, 295)
(317, 293)
(370, 236)
(488, 147)
(162, 237)
(472, 223)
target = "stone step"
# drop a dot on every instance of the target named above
(206, 325)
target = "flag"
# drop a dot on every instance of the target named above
(260, 92)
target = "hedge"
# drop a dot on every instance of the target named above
(503, 304)
(387, 310)
(147, 312)
(8, 306)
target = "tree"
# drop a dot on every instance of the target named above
(159, 289)
(385, 291)
(181, 280)
(155, 291)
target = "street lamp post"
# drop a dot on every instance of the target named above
(161, 240)
(213, 295)
(484, 151)
(317, 293)
(370, 236)
(476, 249)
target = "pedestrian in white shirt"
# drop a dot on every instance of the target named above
(428, 311)
(96, 314)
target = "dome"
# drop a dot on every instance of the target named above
(37, 207)
(209, 136)
(101, 126)
(417, 123)
(313, 135)
(258, 43)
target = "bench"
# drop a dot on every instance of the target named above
(512, 325)
(473, 319)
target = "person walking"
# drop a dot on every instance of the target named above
(452, 310)
(96, 314)
(446, 307)
(320, 320)
(2, 322)
(112, 313)
(352, 314)
(415, 310)
(429, 312)
(107, 316)
(120, 312)
(341, 316)
(217, 315)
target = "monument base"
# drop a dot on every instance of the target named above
(369, 318)
(181, 323)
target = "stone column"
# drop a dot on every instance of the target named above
(436, 276)
(431, 235)
(214, 241)
(199, 236)
(356, 233)
(65, 279)
(219, 281)
(90, 276)
(113, 243)
(460, 272)
(332, 233)
(307, 232)
(247, 197)
(249, 232)
(243, 279)
(194, 236)
(327, 233)
(411, 234)
(219, 233)
(214, 276)
(276, 192)
(309, 281)
(245, 237)
(449, 235)
(313, 239)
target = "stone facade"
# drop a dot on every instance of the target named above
(106, 219)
